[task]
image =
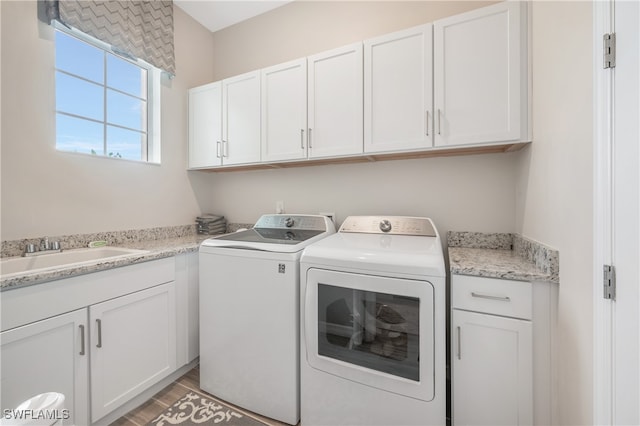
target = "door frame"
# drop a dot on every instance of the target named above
(612, 320)
(602, 170)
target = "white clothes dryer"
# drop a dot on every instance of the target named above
(373, 325)
(249, 313)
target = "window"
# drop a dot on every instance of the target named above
(106, 104)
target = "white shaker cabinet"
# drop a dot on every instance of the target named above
(284, 111)
(133, 345)
(241, 119)
(398, 91)
(50, 355)
(492, 365)
(335, 109)
(224, 122)
(480, 76)
(205, 125)
(491, 352)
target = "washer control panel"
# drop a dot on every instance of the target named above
(391, 225)
(284, 221)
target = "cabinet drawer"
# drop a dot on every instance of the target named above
(492, 296)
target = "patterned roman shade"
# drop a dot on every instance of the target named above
(139, 28)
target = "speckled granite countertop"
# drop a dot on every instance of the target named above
(157, 243)
(507, 256)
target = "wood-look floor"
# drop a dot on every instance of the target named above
(166, 397)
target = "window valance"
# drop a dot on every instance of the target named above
(142, 29)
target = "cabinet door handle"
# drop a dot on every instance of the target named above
(225, 149)
(302, 138)
(81, 326)
(459, 342)
(426, 124)
(439, 121)
(309, 136)
(99, 322)
(490, 297)
(218, 149)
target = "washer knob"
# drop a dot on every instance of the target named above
(385, 226)
(289, 222)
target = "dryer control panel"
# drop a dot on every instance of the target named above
(299, 221)
(391, 225)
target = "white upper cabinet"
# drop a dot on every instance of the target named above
(480, 76)
(224, 122)
(458, 82)
(398, 95)
(205, 125)
(284, 111)
(241, 119)
(335, 102)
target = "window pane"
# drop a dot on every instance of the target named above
(77, 57)
(79, 97)
(101, 100)
(127, 77)
(78, 135)
(122, 143)
(125, 110)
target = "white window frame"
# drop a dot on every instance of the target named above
(153, 148)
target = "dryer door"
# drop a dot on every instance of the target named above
(377, 331)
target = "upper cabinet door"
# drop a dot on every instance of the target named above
(284, 111)
(335, 102)
(205, 125)
(241, 119)
(480, 76)
(398, 95)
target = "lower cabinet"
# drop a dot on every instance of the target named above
(491, 352)
(48, 356)
(492, 370)
(133, 346)
(120, 341)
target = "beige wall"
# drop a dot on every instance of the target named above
(555, 185)
(305, 27)
(46, 192)
(459, 193)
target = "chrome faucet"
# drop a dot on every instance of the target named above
(44, 244)
(45, 247)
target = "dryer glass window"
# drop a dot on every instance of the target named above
(373, 330)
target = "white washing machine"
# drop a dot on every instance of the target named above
(249, 313)
(373, 325)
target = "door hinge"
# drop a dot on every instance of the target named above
(609, 282)
(609, 50)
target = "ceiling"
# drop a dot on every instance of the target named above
(218, 14)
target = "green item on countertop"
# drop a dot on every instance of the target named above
(94, 244)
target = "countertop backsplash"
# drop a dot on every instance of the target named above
(113, 238)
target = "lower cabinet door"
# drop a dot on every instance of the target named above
(492, 370)
(133, 346)
(47, 356)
